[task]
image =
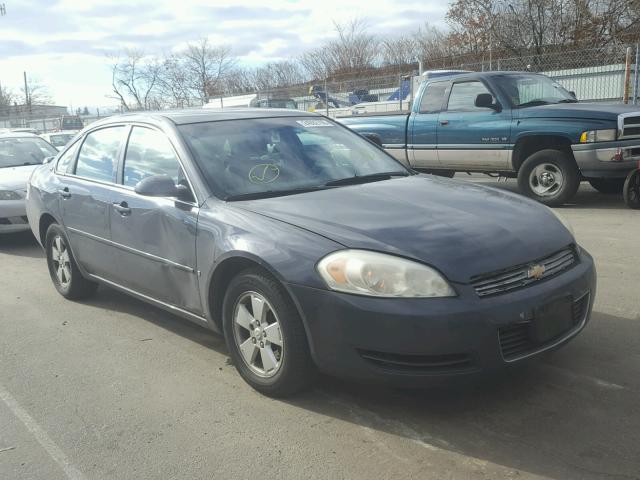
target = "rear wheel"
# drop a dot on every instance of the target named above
(550, 177)
(265, 335)
(609, 186)
(63, 269)
(631, 190)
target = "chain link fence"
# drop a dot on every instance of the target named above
(595, 75)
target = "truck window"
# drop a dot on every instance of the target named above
(432, 98)
(463, 96)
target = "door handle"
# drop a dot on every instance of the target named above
(64, 192)
(122, 208)
(444, 122)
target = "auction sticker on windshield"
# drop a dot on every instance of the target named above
(314, 123)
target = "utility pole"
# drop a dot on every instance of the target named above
(27, 100)
(3, 10)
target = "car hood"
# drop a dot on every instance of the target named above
(594, 111)
(15, 178)
(459, 228)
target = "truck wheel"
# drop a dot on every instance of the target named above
(608, 186)
(550, 177)
(631, 190)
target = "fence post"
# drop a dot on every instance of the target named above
(635, 76)
(400, 90)
(627, 76)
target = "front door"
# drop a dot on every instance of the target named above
(423, 127)
(470, 137)
(155, 236)
(85, 195)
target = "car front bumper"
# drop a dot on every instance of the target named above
(411, 342)
(13, 216)
(607, 160)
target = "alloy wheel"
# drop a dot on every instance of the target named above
(61, 261)
(257, 334)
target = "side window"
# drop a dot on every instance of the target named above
(98, 157)
(463, 96)
(66, 160)
(149, 152)
(432, 98)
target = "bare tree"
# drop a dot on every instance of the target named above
(353, 50)
(134, 80)
(206, 66)
(36, 93)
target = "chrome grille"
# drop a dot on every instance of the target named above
(629, 125)
(517, 277)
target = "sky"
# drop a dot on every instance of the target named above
(66, 44)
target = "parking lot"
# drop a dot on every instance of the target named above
(114, 388)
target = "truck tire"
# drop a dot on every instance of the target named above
(631, 190)
(609, 186)
(550, 177)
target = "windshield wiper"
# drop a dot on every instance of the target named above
(270, 193)
(568, 100)
(533, 103)
(372, 177)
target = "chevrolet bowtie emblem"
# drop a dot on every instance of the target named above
(536, 271)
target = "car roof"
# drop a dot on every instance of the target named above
(18, 135)
(200, 115)
(476, 75)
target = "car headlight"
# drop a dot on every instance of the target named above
(563, 220)
(380, 275)
(9, 195)
(591, 136)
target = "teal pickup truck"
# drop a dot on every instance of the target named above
(512, 124)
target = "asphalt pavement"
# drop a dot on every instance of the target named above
(112, 388)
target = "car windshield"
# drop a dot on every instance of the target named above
(272, 156)
(60, 140)
(24, 151)
(526, 90)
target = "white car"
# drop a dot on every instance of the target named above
(59, 139)
(20, 154)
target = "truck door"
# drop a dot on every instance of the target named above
(423, 127)
(472, 136)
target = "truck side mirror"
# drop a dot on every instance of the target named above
(485, 100)
(374, 137)
(573, 94)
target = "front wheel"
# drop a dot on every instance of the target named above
(550, 177)
(631, 190)
(608, 186)
(63, 269)
(265, 335)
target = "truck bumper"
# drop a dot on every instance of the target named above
(607, 160)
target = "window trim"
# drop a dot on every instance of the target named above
(445, 96)
(63, 153)
(470, 80)
(120, 170)
(118, 155)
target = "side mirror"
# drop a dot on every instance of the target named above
(160, 186)
(47, 160)
(485, 100)
(374, 137)
(573, 94)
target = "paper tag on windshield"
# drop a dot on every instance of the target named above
(314, 123)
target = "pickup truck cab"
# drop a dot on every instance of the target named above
(513, 124)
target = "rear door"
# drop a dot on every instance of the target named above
(86, 183)
(423, 127)
(155, 236)
(470, 137)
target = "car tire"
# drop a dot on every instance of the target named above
(273, 357)
(608, 186)
(549, 176)
(631, 190)
(63, 268)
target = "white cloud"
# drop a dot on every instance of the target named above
(65, 43)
